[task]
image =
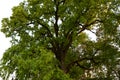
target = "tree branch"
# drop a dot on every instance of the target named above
(91, 31)
(77, 62)
(83, 67)
(43, 25)
(56, 29)
(80, 60)
(84, 27)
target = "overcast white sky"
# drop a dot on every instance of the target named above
(5, 11)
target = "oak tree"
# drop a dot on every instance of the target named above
(49, 40)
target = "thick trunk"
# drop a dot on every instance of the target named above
(63, 66)
(60, 55)
(60, 50)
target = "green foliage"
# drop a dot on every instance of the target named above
(26, 65)
(49, 40)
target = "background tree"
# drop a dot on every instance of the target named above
(49, 40)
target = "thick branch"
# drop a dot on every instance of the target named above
(81, 66)
(72, 63)
(76, 62)
(56, 29)
(43, 25)
(84, 27)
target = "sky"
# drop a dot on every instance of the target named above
(5, 11)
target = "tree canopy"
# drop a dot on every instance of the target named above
(49, 40)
